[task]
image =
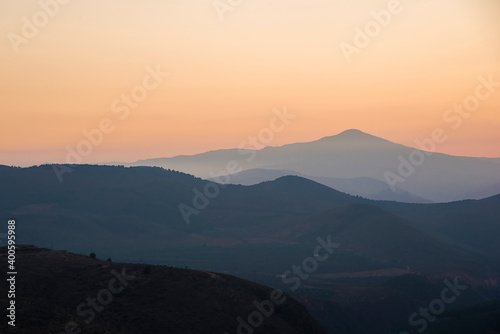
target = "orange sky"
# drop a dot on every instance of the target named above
(225, 77)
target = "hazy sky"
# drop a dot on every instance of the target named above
(226, 76)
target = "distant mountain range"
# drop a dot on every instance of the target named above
(355, 162)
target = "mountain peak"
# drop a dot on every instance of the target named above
(352, 135)
(352, 131)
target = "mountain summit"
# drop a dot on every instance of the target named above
(355, 137)
(352, 134)
(354, 154)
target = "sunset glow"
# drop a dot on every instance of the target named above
(226, 76)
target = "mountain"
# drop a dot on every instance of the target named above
(261, 233)
(360, 186)
(472, 224)
(353, 154)
(494, 160)
(374, 233)
(57, 290)
(132, 212)
(253, 176)
(139, 206)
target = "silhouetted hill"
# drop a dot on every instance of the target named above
(54, 288)
(360, 186)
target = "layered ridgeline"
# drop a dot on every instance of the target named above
(127, 212)
(267, 233)
(353, 161)
(60, 292)
(360, 186)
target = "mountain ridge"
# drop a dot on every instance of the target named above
(435, 177)
(260, 233)
(351, 134)
(362, 186)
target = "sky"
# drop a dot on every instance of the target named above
(203, 75)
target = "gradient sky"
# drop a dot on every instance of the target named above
(227, 76)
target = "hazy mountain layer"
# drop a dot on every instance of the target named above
(354, 154)
(361, 186)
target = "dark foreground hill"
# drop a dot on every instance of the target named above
(61, 292)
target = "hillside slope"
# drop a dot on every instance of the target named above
(56, 288)
(130, 212)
